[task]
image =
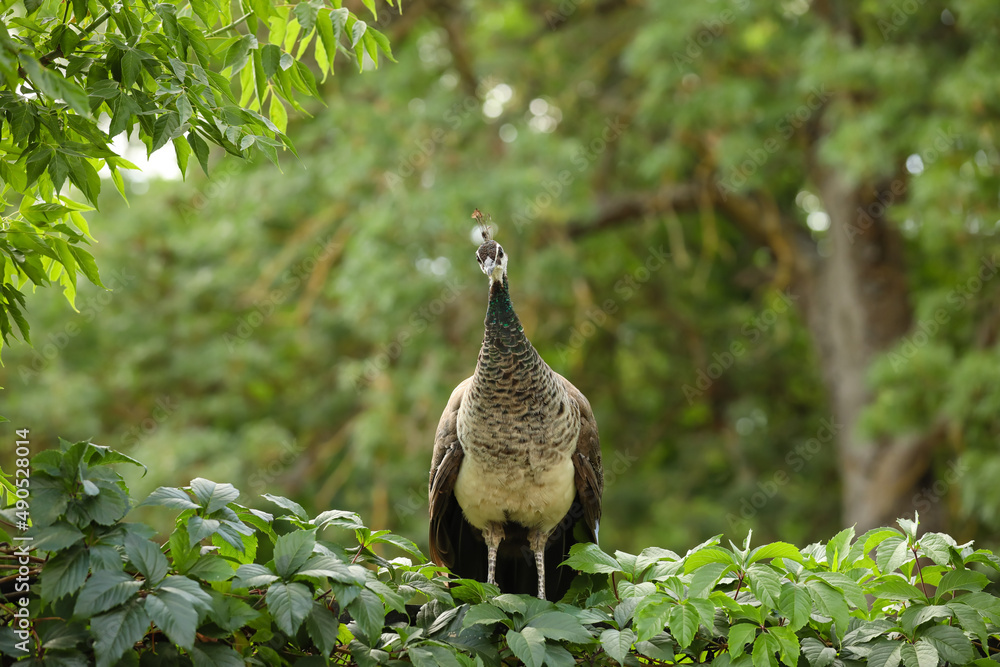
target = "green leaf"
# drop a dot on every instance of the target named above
(951, 643)
(971, 620)
(211, 568)
(559, 625)
(147, 558)
(104, 590)
(369, 613)
(765, 584)
(429, 655)
(231, 613)
(213, 496)
(920, 654)
(323, 627)
(775, 550)
(817, 653)
(892, 553)
(172, 613)
(294, 507)
(289, 605)
(253, 575)
(789, 644)
(709, 555)
(617, 643)
(850, 589)
(168, 496)
(164, 129)
(936, 547)
(706, 577)
(204, 654)
(960, 580)
(919, 614)
(651, 615)
(56, 537)
(795, 605)
(200, 149)
(484, 613)
(239, 52)
(292, 550)
(65, 573)
(305, 14)
(764, 648)
(885, 653)
(588, 557)
(829, 601)
(528, 646)
(117, 632)
(683, 621)
(895, 588)
(740, 635)
(321, 565)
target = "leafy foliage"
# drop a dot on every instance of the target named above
(190, 74)
(234, 584)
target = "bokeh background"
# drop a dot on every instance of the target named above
(761, 237)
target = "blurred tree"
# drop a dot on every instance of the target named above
(77, 74)
(758, 236)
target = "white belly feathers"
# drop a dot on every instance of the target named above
(532, 497)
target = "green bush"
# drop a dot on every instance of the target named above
(235, 585)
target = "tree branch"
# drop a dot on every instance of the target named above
(632, 208)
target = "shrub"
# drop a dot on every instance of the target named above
(234, 585)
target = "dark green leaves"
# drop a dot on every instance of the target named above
(289, 605)
(104, 590)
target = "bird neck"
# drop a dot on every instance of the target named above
(505, 347)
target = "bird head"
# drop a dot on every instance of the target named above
(492, 260)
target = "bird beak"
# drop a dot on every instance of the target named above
(489, 264)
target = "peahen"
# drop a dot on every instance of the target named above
(516, 474)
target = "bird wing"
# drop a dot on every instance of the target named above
(446, 461)
(587, 461)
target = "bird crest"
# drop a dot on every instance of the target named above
(483, 220)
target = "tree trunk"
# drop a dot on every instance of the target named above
(856, 307)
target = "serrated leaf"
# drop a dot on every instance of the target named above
(817, 653)
(323, 627)
(484, 613)
(104, 590)
(936, 547)
(588, 557)
(684, 620)
(920, 654)
(795, 605)
(764, 648)
(213, 496)
(528, 646)
(765, 584)
(895, 588)
(147, 558)
(172, 613)
(885, 653)
(740, 635)
(651, 616)
(289, 605)
(774, 550)
(706, 577)
(617, 643)
(253, 575)
(961, 580)
(951, 643)
(708, 555)
(294, 507)
(559, 625)
(369, 613)
(116, 632)
(64, 573)
(292, 550)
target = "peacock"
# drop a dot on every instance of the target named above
(516, 475)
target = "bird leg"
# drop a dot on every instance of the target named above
(493, 534)
(537, 540)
